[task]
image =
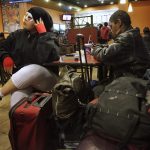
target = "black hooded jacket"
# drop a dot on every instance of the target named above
(126, 55)
(31, 48)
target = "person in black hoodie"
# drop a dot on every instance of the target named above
(25, 53)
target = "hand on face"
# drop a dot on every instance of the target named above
(40, 27)
(30, 24)
(39, 22)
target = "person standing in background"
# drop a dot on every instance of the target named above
(99, 32)
(104, 33)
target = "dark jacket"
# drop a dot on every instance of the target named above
(146, 39)
(26, 48)
(1, 42)
(126, 55)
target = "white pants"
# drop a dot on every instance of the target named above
(31, 77)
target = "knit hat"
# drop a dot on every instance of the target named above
(38, 13)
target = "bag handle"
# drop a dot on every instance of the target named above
(33, 97)
(42, 100)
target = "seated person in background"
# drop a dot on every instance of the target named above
(87, 24)
(137, 28)
(146, 38)
(25, 52)
(127, 55)
(3, 75)
(2, 37)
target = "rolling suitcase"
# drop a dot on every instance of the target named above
(31, 124)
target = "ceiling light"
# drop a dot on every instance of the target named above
(70, 7)
(102, 2)
(111, 3)
(47, 0)
(136, 0)
(78, 2)
(59, 4)
(123, 1)
(85, 6)
(130, 8)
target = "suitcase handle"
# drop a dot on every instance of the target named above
(33, 97)
(80, 43)
(41, 101)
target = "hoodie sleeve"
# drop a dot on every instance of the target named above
(117, 53)
(7, 46)
(47, 49)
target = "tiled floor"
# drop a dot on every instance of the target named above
(4, 124)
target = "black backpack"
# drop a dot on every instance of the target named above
(121, 112)
(69, 93)
(67, 109)
(65, 93)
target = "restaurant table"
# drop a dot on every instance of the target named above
(71, 60)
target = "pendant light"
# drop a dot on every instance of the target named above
(130, 8)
